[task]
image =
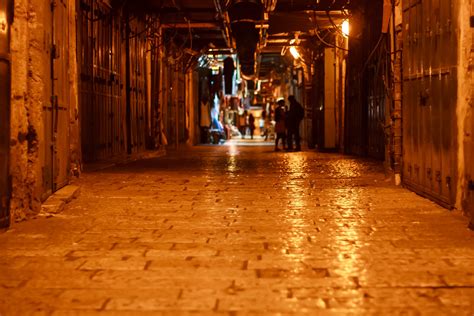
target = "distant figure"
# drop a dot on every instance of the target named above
(243, 124)
(262, 123)
(280, 127)
(251, 125)
(294, 117)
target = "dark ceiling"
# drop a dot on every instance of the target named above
(207, 22)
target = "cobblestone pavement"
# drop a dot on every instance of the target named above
(240, 231)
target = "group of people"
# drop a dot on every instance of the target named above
(287, 124)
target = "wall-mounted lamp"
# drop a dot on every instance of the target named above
(294, 47)
(345, 28)
(3, 22)
(294, 52)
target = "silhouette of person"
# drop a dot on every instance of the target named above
(294, 117)
(251, 125)
(280, 126)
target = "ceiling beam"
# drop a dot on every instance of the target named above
(193, 25)
(173, 10)
(321, 5)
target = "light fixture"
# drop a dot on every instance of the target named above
(345, 28)
(294, 52)
(3, 22)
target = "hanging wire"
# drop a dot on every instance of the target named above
(336, 27)
(372, 52)
(321, 39)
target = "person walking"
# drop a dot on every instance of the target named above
(280, 126)
(294, 117)
(251, 125)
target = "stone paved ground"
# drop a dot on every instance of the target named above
(241, 231)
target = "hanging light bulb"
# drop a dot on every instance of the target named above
(345, 28)
(294, 52)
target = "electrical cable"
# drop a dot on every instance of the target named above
(372, 53)
(337, 28)
(321, 39)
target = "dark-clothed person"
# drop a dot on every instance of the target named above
(294, 117)
(251, 125)
(243, 124)
(280, 126)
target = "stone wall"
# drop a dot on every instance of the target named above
(465, 200)
(30, 73)
(31, 92)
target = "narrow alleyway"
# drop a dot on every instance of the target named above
(231, 230)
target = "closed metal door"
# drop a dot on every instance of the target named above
(318, 103)
(430, 98)
(5, 184)
(377, 101)
(137, 87)
(56, 114)
(101, 87)
(181, 107)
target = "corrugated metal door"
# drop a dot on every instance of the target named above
(318, 103)
(429, 99)
(378, 71)
(181, 106)
(155, 97)
(5, 186)
(363, 134)
(171, 128)
(102, 102)
(308, 120)
(137, 87)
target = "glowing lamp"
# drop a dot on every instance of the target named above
(294, 52)
(345, 28)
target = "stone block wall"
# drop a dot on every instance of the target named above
(465, 199)
(31, 92)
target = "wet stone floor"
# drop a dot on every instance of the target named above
(240, 231)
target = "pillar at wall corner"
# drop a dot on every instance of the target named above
(464, 104)
(74, 110)
(29, 60)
